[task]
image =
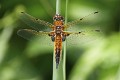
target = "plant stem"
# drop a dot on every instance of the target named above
(66, 12)
(60, 73)
(58, 5)
(57, 73)
(65, 44)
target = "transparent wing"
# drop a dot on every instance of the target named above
(85, 37)
(41, 42)
(34, 22)
(72, 23)
(85, 30)
(40, 36)
(30, 34)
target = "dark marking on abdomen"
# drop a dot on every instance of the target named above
(57, 57)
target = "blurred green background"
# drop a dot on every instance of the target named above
(32, 60)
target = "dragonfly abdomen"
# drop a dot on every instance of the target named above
(58, 49)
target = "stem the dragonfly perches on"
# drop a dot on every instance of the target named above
(60, 72)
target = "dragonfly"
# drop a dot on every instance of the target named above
(58, 33)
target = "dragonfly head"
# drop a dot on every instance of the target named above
(58, 17)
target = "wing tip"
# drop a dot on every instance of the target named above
(18, 32)
(22, 12)
(96, 12)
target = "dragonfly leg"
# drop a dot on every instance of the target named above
(52, 35)
(64, 35)
(63, 38)
(53, 38)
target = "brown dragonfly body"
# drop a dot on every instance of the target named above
(57, 34)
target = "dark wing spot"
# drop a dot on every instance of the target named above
(79, 32)
(49, 35)
(68, 34)
(97, 30)
(95, 12)
(22, 12)
(36, 19)
(81, 19)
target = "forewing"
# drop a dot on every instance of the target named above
(34, 22)
(79, 20)
(85, 30)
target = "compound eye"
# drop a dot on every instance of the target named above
(54, 18)
(61, 18)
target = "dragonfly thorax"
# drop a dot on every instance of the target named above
(58, 27)
(58, 30)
